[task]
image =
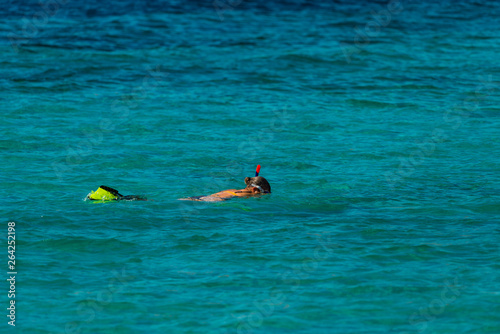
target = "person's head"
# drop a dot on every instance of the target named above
(257, 184)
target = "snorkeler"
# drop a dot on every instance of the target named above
(104, 193)
(254, 186)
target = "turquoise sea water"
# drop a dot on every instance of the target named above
(376, 124)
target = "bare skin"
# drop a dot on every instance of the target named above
(226, 194)
(248, 191)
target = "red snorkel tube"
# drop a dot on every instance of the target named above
(257, 171)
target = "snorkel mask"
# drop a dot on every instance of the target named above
(262, 191)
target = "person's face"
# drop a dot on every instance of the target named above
(249, 187)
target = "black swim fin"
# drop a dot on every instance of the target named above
(111, 190)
